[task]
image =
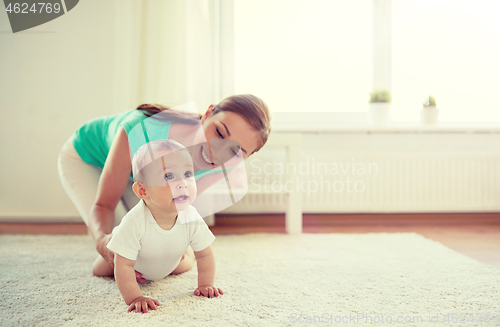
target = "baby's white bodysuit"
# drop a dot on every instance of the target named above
(157, 251)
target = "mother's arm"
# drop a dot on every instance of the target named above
(112, 183)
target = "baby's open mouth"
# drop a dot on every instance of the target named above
(181, 198)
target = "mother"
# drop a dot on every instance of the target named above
(95, 167)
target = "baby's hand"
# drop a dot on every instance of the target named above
(208, 291)
(141, 304)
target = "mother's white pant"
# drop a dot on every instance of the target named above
(80, 180)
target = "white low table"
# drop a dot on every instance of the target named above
(293, 212)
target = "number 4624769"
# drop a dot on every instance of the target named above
(23, 8)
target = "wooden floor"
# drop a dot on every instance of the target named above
(476, 235)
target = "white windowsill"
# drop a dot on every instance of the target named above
(394, 127)
(358, 122)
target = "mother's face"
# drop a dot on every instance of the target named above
(229, 136)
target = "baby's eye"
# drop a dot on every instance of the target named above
(219, 133)
(169, 176)
(188, 174)
(235, 152)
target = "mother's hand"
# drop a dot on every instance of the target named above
(106, 253)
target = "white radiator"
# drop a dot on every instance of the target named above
(402, 182)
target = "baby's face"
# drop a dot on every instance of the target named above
(169, 181)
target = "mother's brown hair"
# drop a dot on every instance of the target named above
(248, 106)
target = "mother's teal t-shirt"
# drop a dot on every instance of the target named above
(93, 139)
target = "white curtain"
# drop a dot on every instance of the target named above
(169, 52)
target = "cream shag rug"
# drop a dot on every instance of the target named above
(268, 280)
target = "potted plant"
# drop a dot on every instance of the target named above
(380, 105)
(429, 113)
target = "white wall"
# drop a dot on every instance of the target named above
(101, 58)
(52, 78)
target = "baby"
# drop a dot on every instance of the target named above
(154, 235)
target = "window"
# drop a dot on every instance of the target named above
(318, 55)
(304, 55)
(449, 49)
